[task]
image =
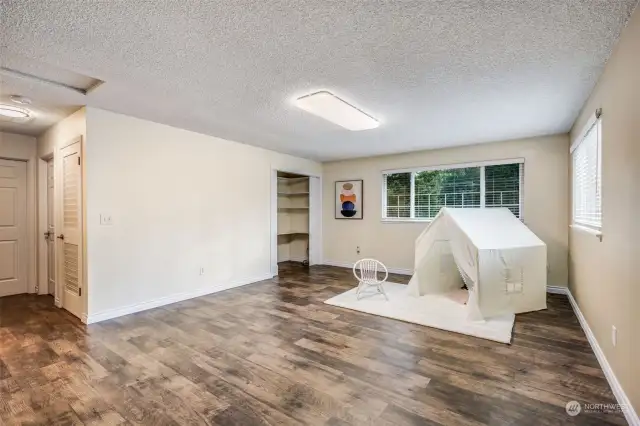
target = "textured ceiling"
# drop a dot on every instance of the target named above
(435, 73)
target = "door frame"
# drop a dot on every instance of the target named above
(57, 212)
(315, 217)
(43, 225)
(22, 259)
(42, 252)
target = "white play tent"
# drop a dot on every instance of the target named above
(501, 261)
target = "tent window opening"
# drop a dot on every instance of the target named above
(586, 176)
(419, 194)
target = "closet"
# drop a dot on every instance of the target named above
(293, 218)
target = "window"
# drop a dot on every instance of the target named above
(398, 194)
(419, 194)
(503, 186)
(586, 177)
(435, 189)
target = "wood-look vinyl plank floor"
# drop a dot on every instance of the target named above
(274, 353)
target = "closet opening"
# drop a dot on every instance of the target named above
(296, 225)
(293, 218)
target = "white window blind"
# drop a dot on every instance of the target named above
(586, 177)
(503, 186)
(420, 193)
(398, 195)
(435, 189)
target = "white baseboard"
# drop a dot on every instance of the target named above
(296, 259)
(167, 300)
(550, 288)
(557, 289)
(622, 398)
(616, 388)
(349, 265)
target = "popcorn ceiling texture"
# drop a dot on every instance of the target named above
(435, 73)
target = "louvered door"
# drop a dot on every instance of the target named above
(70, 234)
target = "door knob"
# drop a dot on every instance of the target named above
(47, 235)
(61, 237)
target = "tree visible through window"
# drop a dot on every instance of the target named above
(399, 194)
(446, 188)
(420, 194)
(502, 187)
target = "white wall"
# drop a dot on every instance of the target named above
(545, 201)
(180, 201)
(604, 276)
(20, 147)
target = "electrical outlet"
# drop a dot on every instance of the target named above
(358, 249)
(614, 335)
(106, 220)
(201, 271)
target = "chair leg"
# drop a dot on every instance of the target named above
(381, 290)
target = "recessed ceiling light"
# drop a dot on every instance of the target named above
(330, 107)
(21, 100)
(13, 112)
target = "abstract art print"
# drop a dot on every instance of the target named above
(349, 199)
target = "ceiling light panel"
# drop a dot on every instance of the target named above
(330, 107)
(13, 112)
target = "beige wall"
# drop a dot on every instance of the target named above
(604, 276)
(20, 147)
(17, 147)
(62, 133)
(180, 201)
(545, 201)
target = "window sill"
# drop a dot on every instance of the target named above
(406, 220)
(581, 228)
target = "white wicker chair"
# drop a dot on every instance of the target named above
(366, 271)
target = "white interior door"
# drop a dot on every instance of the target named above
(70, 230)
(51, 230)
(13, 227)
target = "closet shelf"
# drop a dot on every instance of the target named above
(293, 208)
(293, 193)
(293, 233)
(294, 179)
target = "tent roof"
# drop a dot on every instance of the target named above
(480, 226)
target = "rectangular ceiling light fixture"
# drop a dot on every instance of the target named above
(332, 108)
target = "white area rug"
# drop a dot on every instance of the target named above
(436, 311)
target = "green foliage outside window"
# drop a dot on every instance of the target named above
(458, 187)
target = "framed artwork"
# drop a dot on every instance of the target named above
(348, 199)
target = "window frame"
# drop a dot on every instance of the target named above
(413, 170)
(594, 123)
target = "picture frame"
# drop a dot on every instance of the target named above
(348, 199)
